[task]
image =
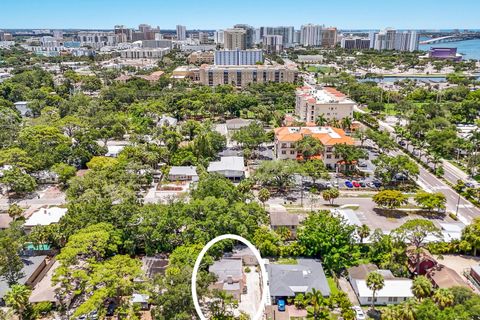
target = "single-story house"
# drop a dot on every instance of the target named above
(229, 167)
(441, 276)
(444, 277)
(246, 255)
(113, 151)
(182, 173)
(287, 280)
(152, 266)
(238, 123)
(44, 217)
(45, 177)
(230, 276)
(141, 300)
(22, 107)
(167, 121)
(284, 220)
(395, 290)
(32, 271)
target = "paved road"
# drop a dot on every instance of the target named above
(455, 203)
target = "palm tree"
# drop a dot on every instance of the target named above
(17, 299)
(391, 312)
(317, 308)
(436, 160)
(375, 282)
(263, 196)
(422, 287)
(321, 120)
(334, 123)
(363, 232)
(347, 123)
(406, 311)
(443, 298)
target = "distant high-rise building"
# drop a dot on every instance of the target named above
(287, 34)
(273, 43)
(145, 32)
(58, 34)
(329, 37)
(238, 57)
(123, 33)
(357, 43)
(311, 35)
(181, 32)
(249, 34)
(390, 39)
(297, 36)
(234, 38)
(218, 37)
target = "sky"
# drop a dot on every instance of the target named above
(216, 14)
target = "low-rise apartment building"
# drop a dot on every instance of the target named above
(287, 137)
(200, 57)
(241, 76)
(332, 104)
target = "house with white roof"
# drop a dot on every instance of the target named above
(22, 107)
(182, 173)
(395, 290)
(229, 167)
(113, 151)
(44, 217)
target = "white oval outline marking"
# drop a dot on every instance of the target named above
(259, 312)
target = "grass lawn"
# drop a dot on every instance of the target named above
(286, 261)
(332, 285)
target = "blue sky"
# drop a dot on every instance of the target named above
(213, 14)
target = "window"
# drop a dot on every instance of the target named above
(394, 299)
(284, 152)
(369, 299)
(329, 149)
(284, 145)
(337, 157)
(329, 156)
(390, 299)
(292, 151)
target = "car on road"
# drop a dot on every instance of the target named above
(348, 184)
(359, 314)
(281, 305)
(402, 143)
(356, 184)
(362, 164)
(362, 184)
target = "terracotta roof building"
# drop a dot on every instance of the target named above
(286, 138)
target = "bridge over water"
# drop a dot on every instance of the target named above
(453, 38)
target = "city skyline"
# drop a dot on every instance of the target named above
(367, 14)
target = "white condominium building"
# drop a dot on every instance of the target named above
(237, 57)
(311, 35)
(330, 103)
(181, 32)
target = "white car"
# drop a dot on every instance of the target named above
(360, 315)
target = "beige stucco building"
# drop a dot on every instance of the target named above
(332, 104)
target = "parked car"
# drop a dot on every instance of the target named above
(281, 305)
(291, 198)
(348, 184)
(356, 184)
(377, 183)
(362, 184)
(402, 143)
(328, 185)
(359, 314)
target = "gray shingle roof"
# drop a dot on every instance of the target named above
(287, 280)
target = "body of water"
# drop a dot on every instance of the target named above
(470, 49)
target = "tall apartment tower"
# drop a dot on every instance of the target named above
(249, 34)
(311, 35)
(181, 32)
(329, 37)
(286, 32)
(218, 37)
(235, 38)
